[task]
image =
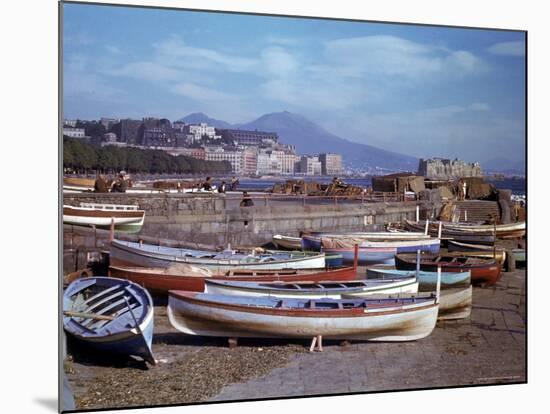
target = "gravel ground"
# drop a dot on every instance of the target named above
(191, 370)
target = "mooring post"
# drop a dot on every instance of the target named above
(438, 284)
(439, 231)
(355, 256)
(417, 264)
(112, 229)
(417, 213)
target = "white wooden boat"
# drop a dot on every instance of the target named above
(396, 319)
(141, 254)
(287, 242)
(312, 290)
(124, 217)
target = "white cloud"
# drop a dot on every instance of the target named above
(176, 52)
(395, 56)
(479, 106)
(145, 70)
(278, 62)
(508, 48)
(201, 93)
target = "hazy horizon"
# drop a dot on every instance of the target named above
(416, 90)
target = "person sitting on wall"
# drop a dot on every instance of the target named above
(246, 201)
(100, 185)
(207, 185)
(121, 183)
(221, 188)
(234, 183)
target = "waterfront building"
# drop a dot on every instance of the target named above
(70, 123)
(198, 153)
(74, 132)
(250, 161)
(444, 169)
(309, 165)
(331, 164)
(235, 158)
(250, 138)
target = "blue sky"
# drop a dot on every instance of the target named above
(425, 91)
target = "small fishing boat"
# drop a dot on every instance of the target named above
(141, 254)
(311, 290)
(192, 278)
(396, 319)
(503, 231)
(373, 236)
(429, 245)
(454, 303)
(482, 270)
(125, 217)
(366, 255)
(402, 244)
(111, 315)
(426, 280)
(476, 250)
(287, 242)
(462, 235)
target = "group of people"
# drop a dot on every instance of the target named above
(222, 188)
(119, 185)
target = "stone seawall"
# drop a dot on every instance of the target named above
(218, 220)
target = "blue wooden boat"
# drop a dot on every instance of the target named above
(426, 280)
(428, 245)
(366, 255)
(111, 315)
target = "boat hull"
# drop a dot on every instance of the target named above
(158, 281)
(121, 335)
(427, 280)
(286, 242)
(485, 271)
(196, 316)
(133, 254)
(333, 289)
(366, 255)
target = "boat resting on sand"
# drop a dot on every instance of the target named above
(485, 237)
(147, 255)
(401, 319)
(287, 242)
(482, 270)
(110, 315)
(125, 217)
(426, 280)
(312, 290)
(454, 303)
(192, 278)
(476, 250)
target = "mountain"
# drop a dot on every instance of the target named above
(199, 117)
(504, 165)
(310, 138)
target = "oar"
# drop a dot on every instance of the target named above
(88, 315)
(140, 332)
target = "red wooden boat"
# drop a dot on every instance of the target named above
(161, 280)
(482, 270)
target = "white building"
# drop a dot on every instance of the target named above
(310, 165)
(219, 154)
(74, 132)
(196, 132)
(269, 163)
(69, 122)
(331, 164)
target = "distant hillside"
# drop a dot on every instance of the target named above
(199, 117)
(310, 138)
